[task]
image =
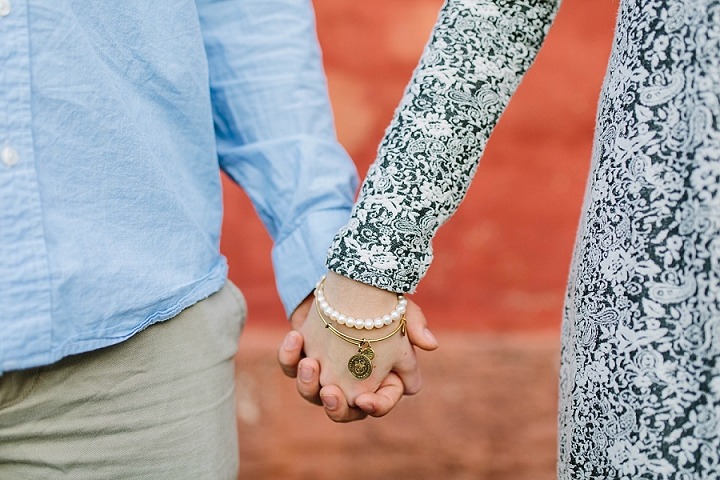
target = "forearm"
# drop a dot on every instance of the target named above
(274, 130)
(475, 59)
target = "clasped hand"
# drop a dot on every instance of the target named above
(319, 359)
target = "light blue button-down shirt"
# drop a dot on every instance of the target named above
(114, 118)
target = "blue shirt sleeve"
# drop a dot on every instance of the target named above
(274, 130)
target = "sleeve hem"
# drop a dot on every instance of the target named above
(299, 257)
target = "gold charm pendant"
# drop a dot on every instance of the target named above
(360, 364)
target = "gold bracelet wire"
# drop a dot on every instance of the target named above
(358, 341)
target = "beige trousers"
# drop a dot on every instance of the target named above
(157, 406)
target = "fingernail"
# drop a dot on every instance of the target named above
(306, 374)
(291, 341)
(366, 407)
(431, 338)
(329, 401)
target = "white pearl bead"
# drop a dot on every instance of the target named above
(328, 310)
(341, 319)
(369, 324)
(394, 315)
(387, 319)
(359, 324)
(350, 322)
(400, 309)
(324, 305)
(378, 322)
(335, 315)
(403, 302)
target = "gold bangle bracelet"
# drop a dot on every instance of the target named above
(360, 364)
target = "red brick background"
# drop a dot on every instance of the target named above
(501, 262)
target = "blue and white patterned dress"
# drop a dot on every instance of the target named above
(640, 373)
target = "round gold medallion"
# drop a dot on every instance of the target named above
(360, 366)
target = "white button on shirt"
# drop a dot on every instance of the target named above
(4, 8)
(8, 154)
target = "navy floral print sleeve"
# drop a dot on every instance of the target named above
(478, 52)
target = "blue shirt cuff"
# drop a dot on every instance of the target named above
(299, 257)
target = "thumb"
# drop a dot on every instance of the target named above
(297, 318)
(417, 329)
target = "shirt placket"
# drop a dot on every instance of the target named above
(24, 273)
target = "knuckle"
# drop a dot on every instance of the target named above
(414, 389)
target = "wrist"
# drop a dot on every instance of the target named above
(357, 298)
(357, 301)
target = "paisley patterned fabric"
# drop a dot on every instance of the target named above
(640, 373)
(476, 57)
(640, 378)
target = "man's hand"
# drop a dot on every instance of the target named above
(395, 369)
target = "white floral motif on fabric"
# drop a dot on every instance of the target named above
(476, 57)
(640, 378)
(640, 373)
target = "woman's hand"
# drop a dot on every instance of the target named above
(323, 377)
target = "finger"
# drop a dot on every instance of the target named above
(336, 406)
(290, 352)
(384, 399)
(308, 380)
(417, 329)
(408, 370)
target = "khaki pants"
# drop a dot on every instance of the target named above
(157, 406)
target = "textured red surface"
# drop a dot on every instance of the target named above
(502, 261)
(488, 411)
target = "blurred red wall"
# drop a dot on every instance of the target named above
(502, 261)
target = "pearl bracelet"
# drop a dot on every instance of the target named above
(358, 323)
